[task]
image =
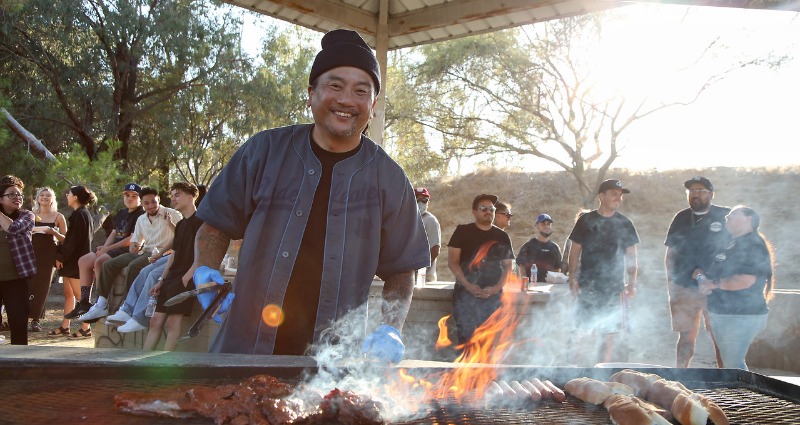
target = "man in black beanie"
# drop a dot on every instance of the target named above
(313, 239)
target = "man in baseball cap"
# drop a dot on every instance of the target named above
(540, 250)
(695, 235)
(480, 256)
(602, 272)
(432, 228)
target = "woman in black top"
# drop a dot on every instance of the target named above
(77, 242)
(739, 284)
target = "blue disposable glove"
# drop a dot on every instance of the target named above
(384, 344)
(205, 274)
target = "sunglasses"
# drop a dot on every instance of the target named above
(507, 214)
(13, 195)
(423, 200)
(484, 208)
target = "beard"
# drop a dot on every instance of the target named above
(546, 234)
(698, 205)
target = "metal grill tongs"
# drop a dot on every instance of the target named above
(222, 292)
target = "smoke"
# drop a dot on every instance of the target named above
(341, 364)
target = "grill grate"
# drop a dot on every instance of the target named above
(90, 401)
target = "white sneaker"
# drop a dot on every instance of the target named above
(130, 326)
(118, 318)
(94, 313)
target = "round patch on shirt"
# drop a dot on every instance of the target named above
(721, 257)
(715, 226)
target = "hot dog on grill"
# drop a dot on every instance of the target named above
(536, 395)
(558, 394)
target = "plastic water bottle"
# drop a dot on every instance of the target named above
(153, 252)
(534, 274)
(151, 306)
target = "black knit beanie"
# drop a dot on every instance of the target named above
(345, 48)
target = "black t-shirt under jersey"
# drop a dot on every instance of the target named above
(301, 301)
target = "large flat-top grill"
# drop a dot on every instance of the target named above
(82, 392)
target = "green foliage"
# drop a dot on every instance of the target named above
(103, 175)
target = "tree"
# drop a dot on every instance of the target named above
(533, 92)
(217, 118)
(93, 70)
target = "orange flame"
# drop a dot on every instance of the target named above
(443, 340)
(483, 251)
(489, 345)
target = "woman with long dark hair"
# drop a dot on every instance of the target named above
(77, 242)
(739, 285)
(17, 260)
(48, 231)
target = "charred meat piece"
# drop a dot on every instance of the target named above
(260, 399)
(345, 407)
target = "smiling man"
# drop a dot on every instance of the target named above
(321, 210)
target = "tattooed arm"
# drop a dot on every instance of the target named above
(210, 245)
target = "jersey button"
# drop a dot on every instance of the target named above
(311, 172)
(285, 254)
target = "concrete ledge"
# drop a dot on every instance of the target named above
(107, 336)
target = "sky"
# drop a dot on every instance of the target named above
(749, 119)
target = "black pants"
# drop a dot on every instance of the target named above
(14, 296)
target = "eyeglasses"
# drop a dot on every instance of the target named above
(507, 214)
(697, 191)
(423, 200)
(13, 195)
(484, 208)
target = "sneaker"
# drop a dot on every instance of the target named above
(118, 318)
(94, 313)
(80, 308)
(130, 326)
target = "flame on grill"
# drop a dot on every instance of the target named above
(488, 345)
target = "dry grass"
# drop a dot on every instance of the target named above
(655, 198)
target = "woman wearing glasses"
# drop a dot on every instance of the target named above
(77, 242)
(739, 285)
(17, 261)
(49, 229)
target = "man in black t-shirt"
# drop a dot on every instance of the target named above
(540, 250)
(177, 275)
(116, 244)
(480, 256)
(603, 253)
(695, 235)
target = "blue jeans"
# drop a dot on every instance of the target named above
(136, 301)
(734, 333)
